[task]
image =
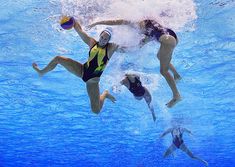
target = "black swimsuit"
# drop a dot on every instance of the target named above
(98, 59)
(136, 88)
(177, 140)
(154, 30)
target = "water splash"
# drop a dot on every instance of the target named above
(173, 14)
(178, 15)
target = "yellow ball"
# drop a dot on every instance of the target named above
(67, 22)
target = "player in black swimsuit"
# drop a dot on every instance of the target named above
(100, 52)
(178, 142)
(133, 83)
(152, 30)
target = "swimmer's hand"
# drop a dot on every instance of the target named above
(152, 112)
(154, 118)
(144, 41)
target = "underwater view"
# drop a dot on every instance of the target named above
(117, 83)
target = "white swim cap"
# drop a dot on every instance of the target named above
(108, 30)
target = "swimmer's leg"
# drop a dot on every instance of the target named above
(168, 44)
(173, 70)
(96, 99)
(187, 151)
(170, 150)
(148, 99)
(175, 73)
(71, 65)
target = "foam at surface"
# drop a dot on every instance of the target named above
(173, 14)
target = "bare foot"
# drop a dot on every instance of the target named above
(35, 67)
(173, 101)
(177, 77)
(109, 96)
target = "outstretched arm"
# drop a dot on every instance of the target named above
(86, 38)
(148, 99)
(186, 130)
(166, 132)
(112, 22)
(152, 112)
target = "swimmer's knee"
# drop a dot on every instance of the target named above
(59, 59)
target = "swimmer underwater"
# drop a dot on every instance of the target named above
(90, 72)
(178, 142)
(134, 85)
(152, 30)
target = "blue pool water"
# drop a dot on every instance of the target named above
(48, 122)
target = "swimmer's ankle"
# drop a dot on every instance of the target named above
(176, 96)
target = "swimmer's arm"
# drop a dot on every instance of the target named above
(118, 48)
(125, 82)
(152, 111)
(144, 41)
(121, 49)
(122, 82)
(86, 38)
(166, 132)
(112, 22)
(186, 130)
(147, 96)
(113, 48)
